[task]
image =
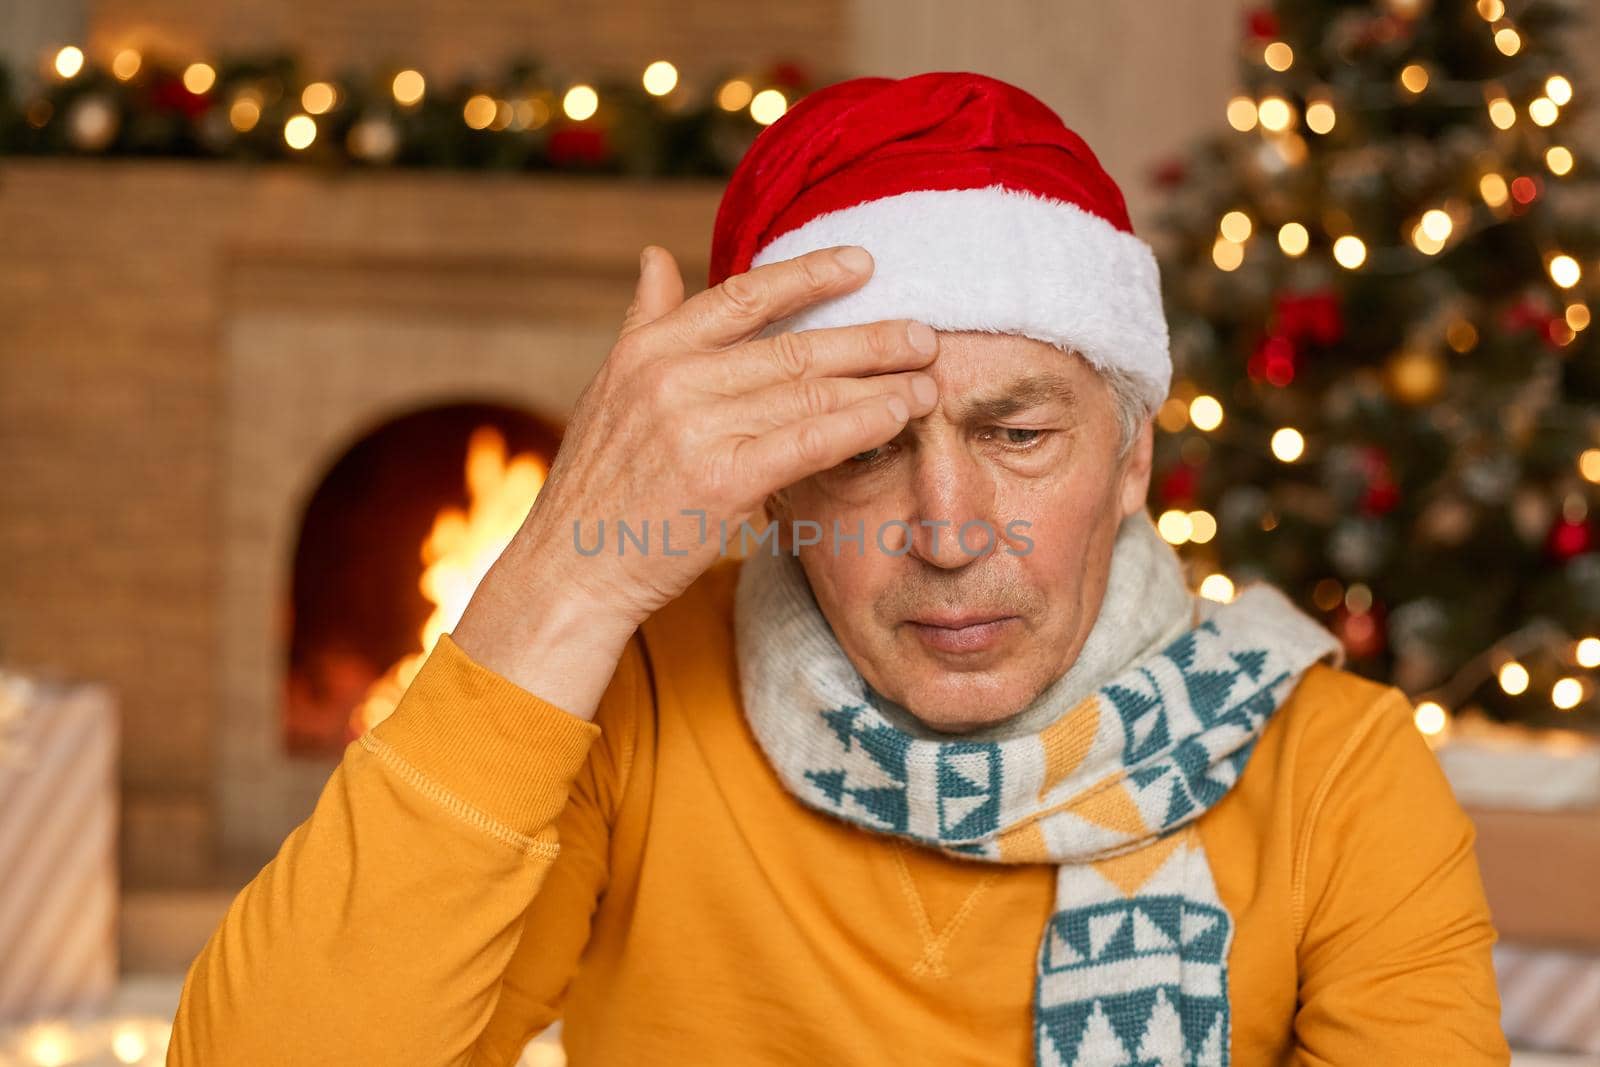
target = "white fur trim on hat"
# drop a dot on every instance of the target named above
(997, 260)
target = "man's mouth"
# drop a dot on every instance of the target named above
(962, 633)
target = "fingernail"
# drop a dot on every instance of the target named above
(924, 390)
(854, 259)
(898, 409)
(922, 338)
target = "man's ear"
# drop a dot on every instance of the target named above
(1135, 488)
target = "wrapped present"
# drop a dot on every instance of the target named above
(1511, 766)
(58, 807)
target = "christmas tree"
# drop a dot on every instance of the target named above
(1387, 389)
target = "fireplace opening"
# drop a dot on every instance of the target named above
(391, 543)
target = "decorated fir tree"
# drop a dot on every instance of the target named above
(1387, 387)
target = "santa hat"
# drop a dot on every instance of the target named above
(981, 209)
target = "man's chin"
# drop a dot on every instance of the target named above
(958, 702)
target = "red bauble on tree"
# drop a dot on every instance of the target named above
(1568, 538)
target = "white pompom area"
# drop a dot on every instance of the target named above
(998, 260)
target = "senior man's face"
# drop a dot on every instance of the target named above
(1024, 439)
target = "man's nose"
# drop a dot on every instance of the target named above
(952, 522)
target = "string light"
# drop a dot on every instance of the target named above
(660, 78)
(1227, 255)
(1559, 159)
(1567, 693)
(408, 87)
(479, 111)
(1543, 111)
(1429, 717)
(1205, 412)
(318, 98)
(768, 106)
(245, 111)
(1588, 650)
(1414, 78)
(1202, 527)
(198, 78)
(1491, 10)
(1293, 238)
(1242, 114)
(1218, 587)
(735, 95)
(69, 61)
(1461, 336)
(1320, 117)
(1513, 678)
(580, 102)
(1578, 317)
(1288, 444)
(1349, 252)
(1279, 56)
(300, 131)
(1564, 271)
(1508, 40)
(126, 63)
(1276, 114)
(1235, 226)
(1175, 526)
(1502, 113)
(1558, 89)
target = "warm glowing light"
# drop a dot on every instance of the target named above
(198, 78)
(1559, 159)
(318, 98)
(1502, 113)
(1564, 271)
(1513, 678)
(1226, 254)
(1588, 652)
(1493, 189)
(1566, 693)
(768, 106)
(408, 87)
(1217, 587)
(300, 131)
(1288, 445)
(1491, 10)
(734, 95)
(1461, 335)
(49, 1045)
(1279, 56)
(1294, 239)
(1436, 224)
(1524, 190)
(1430, 718)
(458, 552)
(580, 102)
(660, 78)
(1508, 40)
(1578, 317)
(244, 113)
(1320, 116)
(1349, 252)
(1414, 77)
(1242, 114)
(126, 63)
(69, 61)
(1543, 111)
(1276, 114)
(1428, 246)
(479, 111)
(128, 1044)
(1202, 526)
(1558, 89)
(1175, 526)
(1235, 226)
(1205, 412)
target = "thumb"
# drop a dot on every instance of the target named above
(659, 289)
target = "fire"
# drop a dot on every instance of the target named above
(458, 552)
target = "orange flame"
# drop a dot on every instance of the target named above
(458, 552)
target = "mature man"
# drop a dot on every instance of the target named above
(961, 773)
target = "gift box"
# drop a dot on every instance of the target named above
(58, 874)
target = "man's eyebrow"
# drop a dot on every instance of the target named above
(1030, 392)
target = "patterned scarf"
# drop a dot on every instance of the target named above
(1106, 781)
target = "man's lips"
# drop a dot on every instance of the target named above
(961, 633)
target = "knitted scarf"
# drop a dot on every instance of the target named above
(1102, 776)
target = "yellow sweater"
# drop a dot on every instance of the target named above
(696, 913)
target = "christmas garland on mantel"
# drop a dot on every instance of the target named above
(264, 108)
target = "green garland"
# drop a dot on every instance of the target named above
(246, 112)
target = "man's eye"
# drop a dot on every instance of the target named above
(866, 457)
(1019, 435)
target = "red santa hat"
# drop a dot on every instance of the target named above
(981, 209)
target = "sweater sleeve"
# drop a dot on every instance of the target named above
(381, 931)
(1394, 929)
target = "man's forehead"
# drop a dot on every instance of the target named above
(1008, 394)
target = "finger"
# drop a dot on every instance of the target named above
(744, 304)
(790, 453)
(834, 352)
(789, 402)
(658, 291)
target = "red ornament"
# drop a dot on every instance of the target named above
(1178, 487)
(1364, 634)
(1170, 173)
(168, 93)
(1314, 316)
(1568, 539)
(1381, 494)
(1273, 361)
(1262, 22)
(578, 144)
